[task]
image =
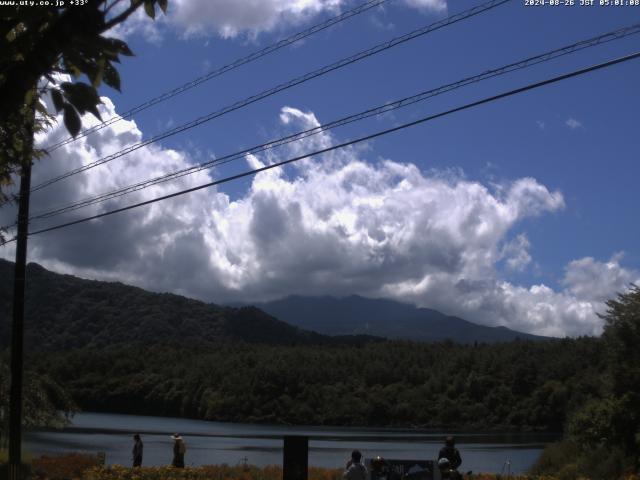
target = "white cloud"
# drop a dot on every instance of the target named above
(332, 225)
(228, 18)
(516, 253)
(590, 279)
(140, 23)
(231, 18)
(572, 123)
(434, 5)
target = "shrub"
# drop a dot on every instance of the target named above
(567, 460)
(555, 457)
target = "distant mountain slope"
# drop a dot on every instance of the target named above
(385, 318)
(65, 312)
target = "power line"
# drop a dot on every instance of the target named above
(509, 93)
(284, 86)
(521, 64)
(224, 69)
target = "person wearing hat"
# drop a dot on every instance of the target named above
(451, 453)
(355, 469)
(137, 450)
(179, 448)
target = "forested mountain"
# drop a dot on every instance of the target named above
(384, 318)
(65, 312)
(118, 348)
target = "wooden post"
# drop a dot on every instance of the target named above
(295, 458)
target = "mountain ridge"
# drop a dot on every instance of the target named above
(387, 318)
(67, 312)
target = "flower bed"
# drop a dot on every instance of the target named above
(70, 466)
(209, 472)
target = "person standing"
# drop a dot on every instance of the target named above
(355, 469)
(179, 449)
(137, 450)
(451, 453)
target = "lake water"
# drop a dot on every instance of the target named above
(233, 443)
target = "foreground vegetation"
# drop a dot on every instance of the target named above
(254, 473)
(85, 467)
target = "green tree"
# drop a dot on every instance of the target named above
(622, 339)
(45, 402)
(593, 424)
(37, 44)
(604, 432)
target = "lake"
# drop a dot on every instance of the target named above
(233, 443)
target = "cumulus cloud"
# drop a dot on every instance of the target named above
(435, 5)
(590, 279)
(139, 23)
(573, 124)
(230, 18)
(333, 225)
(516, 253)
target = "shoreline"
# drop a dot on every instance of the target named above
(397, 428)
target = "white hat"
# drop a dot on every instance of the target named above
(176, 436)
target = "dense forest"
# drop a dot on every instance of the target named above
(528, 385)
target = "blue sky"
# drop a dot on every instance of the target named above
(594, 164)
(540, 261)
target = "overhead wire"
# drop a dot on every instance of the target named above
(387, 107)
(290, 40)
(284, 86)
(380, 133)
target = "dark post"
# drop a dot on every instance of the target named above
(295, 458)
(17, 329)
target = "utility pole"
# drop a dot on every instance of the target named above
(19, 281)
